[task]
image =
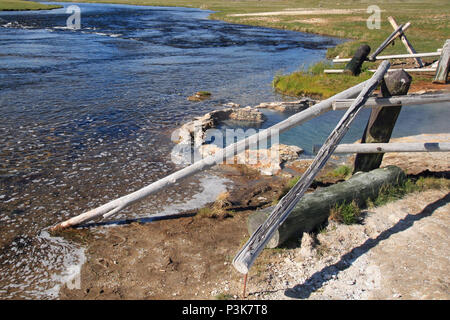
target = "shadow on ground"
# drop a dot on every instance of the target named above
(316, 281)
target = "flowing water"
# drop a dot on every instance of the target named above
(86, 117)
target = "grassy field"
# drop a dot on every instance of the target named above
(15, 5)
(429, 29)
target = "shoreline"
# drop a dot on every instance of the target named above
(190, 257)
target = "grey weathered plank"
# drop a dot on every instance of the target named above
(443, 65)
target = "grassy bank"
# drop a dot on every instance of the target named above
(429, 29)
(20, 5)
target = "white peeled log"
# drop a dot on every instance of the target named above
(396, 56)
(413, 99)
(391, 147)
(112, 207)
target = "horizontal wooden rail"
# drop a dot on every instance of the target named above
(413, 99)
(339, 71)
(396, 56)
(390, 147)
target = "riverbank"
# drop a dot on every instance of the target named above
(190, 257)
(21, 5)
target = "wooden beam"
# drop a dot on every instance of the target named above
(407, 100)
(443, 65)
(382, 120)
(396, 56)
(390, 147)
(411, 70)
(250, 251)
(405, 41)
(314, 208)
(399, 31)
(112, 207)
(340, 71)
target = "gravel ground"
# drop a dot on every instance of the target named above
(400, 251)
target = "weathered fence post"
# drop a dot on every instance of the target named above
(405, 41)
(354, 66)
(444, 64)
(382, 119)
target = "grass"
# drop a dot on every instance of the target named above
(393, 193)
(223, 296)
(346, 213)
(316, 84)
(20, 5)
(218, 210)
(349, 213)
(342, 172)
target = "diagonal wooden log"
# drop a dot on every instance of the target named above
(245, 258)
(399, 31)
(112, 207)
(405, 41)
(443, 65)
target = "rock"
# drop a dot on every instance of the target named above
(194, 132)
(247, 114)
(291, 106)
(200, 96)
(307, 245)
(266, 161)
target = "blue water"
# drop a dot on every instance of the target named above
(86, 115)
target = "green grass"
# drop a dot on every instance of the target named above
(19, 5)
(393, 193)
(204, 93)
(223, 296)
(346, 213)
(342, 172)
(314, 83)
(349, 213)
